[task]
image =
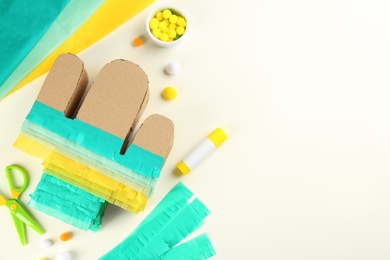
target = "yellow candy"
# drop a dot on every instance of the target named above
(172, 26)
(181, 21)
(162, 26)
(164, 37)
(169, 93)
(173, 18)
(172, 34)
(166, 21)
(153, 23)
(166, 13)
(167, 26)
(156, 32)
(159, 16)
(180, 30)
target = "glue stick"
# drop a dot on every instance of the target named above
(213, 140)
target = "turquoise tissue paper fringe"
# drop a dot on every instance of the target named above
(78, 136)
(198, 248)
(68, 203)
(173, 219)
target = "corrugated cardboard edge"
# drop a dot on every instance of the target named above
(64, 85)
(116, 99)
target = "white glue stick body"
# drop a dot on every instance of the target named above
(196, 156)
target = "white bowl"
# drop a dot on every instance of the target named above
(157, 9)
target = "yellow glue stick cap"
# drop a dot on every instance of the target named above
(183, 168)
(218, 136)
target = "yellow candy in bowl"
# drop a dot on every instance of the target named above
(166, 25)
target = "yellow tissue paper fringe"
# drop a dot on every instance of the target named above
(38, 144)
(103, 187)
(110, 15)
(31, 147)
(80, 176)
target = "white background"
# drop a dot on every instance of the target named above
(302, 90)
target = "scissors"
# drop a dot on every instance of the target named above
(20, 215)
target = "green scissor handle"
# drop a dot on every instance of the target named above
(9, 172)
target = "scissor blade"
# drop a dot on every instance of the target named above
(20, 228)
(28, 219)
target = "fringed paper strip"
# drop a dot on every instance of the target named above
(198, 248)
(68, 203)
(100, 186)
(87, 179)
(76, 170)
(174, 218)
(77, 135)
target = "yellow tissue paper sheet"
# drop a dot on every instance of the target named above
(110, 15)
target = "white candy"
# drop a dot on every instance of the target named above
(172, 68)
(46, 243)
(64, 256)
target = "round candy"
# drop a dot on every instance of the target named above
(46, 243)
(172, 26)
(156, 32)
(164, 37)
(138, 41)
(162, 26)
(169, 93)
(153, 23)
(166, 21)
(64, 256)
(173, 19)
(172, 34)
(65, 236)
(166, 13)
(180, 30)
(159, 16)
(172, 68)
(181, 21)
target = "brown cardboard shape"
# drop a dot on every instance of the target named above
(114, 103)
(156, 135)
(65, 85)
(117, 98)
